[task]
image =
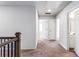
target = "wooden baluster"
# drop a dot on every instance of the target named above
(15, 49)
(4, 49)
(8, 48)
(1, 48)
(12, 49)
(18, 44)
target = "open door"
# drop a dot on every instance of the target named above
(74, 30)
(71, 31)
(77, 31)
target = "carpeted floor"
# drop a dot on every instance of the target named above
(47, 48)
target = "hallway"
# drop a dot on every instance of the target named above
(47, 48)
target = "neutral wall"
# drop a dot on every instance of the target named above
(57, 29)
(19, 19)
(63, 17)
(51, 27)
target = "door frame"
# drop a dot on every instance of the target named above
(68, 25)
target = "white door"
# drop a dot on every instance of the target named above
(43, 29)
(52, 29)
(71, 30)
(74, 30)
(77, 32)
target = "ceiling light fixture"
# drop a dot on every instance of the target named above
(48, 13)
(49, 10)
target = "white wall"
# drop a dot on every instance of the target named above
(19, 19)
(62, 16)
(57, 29)
(49, 27)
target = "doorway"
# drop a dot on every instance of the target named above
(47, 28)
(43, 29)
(73, 30)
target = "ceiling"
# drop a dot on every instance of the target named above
(54, 6)
(28, 3)
(42, 6)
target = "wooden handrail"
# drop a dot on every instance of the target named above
(7, 42)
(7, 37)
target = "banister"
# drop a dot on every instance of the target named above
(18, 35)
(11, 42)
(7, 37)
(7, 42)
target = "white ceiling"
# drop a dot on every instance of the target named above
(54, 6)
(42, 6)
(28, 3)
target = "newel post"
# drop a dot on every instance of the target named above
(18, 36)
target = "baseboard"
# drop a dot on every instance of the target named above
(25, 50)
(28, 48)
(76, 54)
(62, 46)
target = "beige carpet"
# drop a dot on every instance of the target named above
(47, 48)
